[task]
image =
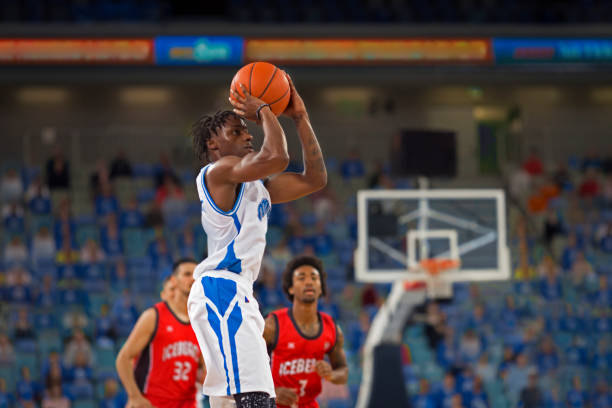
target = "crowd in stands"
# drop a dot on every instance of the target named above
(313, 11)
(543, 339)
(83, 254)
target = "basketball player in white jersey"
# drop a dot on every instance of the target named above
(236, 190)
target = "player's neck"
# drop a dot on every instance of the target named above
(305, 313)
(178, 304)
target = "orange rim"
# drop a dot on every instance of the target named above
(434, 266)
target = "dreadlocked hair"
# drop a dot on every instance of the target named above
(204, 127)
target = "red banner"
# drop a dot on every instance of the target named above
(413, 51)
(76, 51)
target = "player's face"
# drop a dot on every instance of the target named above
(234, 139)
(168, 290)
(184, 277)
(306, 286)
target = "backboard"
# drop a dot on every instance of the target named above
(399, 228)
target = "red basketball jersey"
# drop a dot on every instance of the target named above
(294, 356)
(166, 369)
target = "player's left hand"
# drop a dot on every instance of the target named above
(246, 105)
(296, 108)
(324, 369)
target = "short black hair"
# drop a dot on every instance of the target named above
(204, 127)
(301, 261)
(181, 261)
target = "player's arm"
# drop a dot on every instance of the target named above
(337, 371)
(270, 332)
(273, 156)
(291, 186)
(284, 396)
(135, 343)
(201, 375)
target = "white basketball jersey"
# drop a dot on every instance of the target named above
(236, 238)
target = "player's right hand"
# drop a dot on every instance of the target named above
(138, 402)
(246, 105)
(286, 396)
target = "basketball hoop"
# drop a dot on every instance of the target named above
(433, 267)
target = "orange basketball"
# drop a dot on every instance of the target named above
(266, 82)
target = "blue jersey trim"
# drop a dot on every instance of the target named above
(212, 203)
(221, 292)
(230, 262)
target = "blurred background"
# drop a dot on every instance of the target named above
(98, 195)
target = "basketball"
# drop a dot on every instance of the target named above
(266, 82)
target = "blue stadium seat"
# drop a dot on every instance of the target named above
(84, 403)
(29, 360)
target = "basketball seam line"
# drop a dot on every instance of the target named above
(272, 103)
(251, 75)
(269, 82)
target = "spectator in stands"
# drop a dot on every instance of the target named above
(358, 332)
(576, 354)
(124, 314)
(74, 319)
(15, 252)
(533, 165)
(159, 252)
(78, 345)
(603, 237)
(6, 398)
(18, 280)
(603, 295)
(120, 166)
(589, 187)
(43, 245)
(112, 397)
(582, 273)
(55, 398)
(576, 396)
(106, 202)
(324, 204)
(517, 375)
(602, 397)
(7, 352)
(131, 216)
(447, 352)
(352, 166)
(448, 389)
(270, 293)
(547, 358)
(531, 396)
(425, 398)
(323, 242)
(11, 186)
(58, 171)
(164, 169)
(562, 178)
(47, 296)
(552, 227)
(591, 161)
(470, 347)
(477, 397)
(569, 252)
(80, 375)
(119, 277)
(110, 238)
(484, 369)
(524, 271)
(99, 179)
(13, 218)
(91, 253)
(154, 218)
(53, 369)
(369, 296)
(67, 255)
(65, 228)
(550, 286)
(37, 198)
(187, 245)
(104, 330)
(27, 389)
(171, 198)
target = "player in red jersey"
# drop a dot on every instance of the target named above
(166, 349)
(299, 338)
